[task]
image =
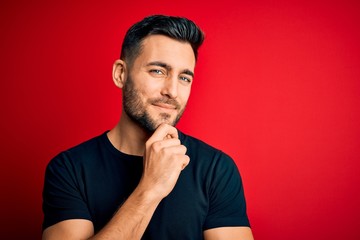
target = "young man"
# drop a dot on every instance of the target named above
(144, 179)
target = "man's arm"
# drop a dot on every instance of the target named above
(164, 160)
(229, 233)
(129, 222)
(69, 229)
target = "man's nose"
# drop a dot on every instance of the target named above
(170, 87)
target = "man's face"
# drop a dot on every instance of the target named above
(158, 84)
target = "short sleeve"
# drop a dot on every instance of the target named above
(227, 206)
(63, 194)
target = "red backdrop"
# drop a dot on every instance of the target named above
(277, 83)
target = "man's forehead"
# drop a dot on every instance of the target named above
(172, 52)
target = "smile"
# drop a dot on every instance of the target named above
(165, 106)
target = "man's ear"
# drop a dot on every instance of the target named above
(119, 73)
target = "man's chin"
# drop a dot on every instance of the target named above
(150, 124)
(171, 122)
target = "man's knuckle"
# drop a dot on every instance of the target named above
(156, 146)
(183, 149)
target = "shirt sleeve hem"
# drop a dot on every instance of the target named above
(228, 223)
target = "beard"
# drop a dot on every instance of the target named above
(137, 112)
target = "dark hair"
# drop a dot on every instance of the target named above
(177, 28)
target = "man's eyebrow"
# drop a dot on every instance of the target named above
(167, 67)
(188, 72)
(159, 64)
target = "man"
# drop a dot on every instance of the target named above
(144, 179)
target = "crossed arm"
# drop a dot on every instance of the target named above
(83, 229)
(130, 223)
(164, 160)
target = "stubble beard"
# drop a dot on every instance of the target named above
(136, 111)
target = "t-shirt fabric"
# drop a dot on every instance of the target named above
(92, 180)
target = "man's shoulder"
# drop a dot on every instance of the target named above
(194, 141)
(199, 147)
(88, 146)
(211, 160)
(85, 150)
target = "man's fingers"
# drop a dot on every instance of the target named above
(179, 149)
(164, 144)
(186, 161)
(164, 131)
(168, 137)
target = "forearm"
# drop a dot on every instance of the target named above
(131, 220)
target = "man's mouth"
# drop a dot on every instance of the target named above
(167, 104)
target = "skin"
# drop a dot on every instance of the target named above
(161, 76)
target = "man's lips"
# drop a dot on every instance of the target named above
(165, 106)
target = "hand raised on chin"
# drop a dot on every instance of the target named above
(164, 159)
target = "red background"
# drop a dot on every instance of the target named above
(277, 87)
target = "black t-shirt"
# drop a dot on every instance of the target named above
(93, 179)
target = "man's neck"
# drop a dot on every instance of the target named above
(128, 137)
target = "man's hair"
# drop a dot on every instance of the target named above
(178, 28)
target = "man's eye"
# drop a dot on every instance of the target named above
(156, 71)
(185, 79)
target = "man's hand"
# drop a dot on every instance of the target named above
(164, 159)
